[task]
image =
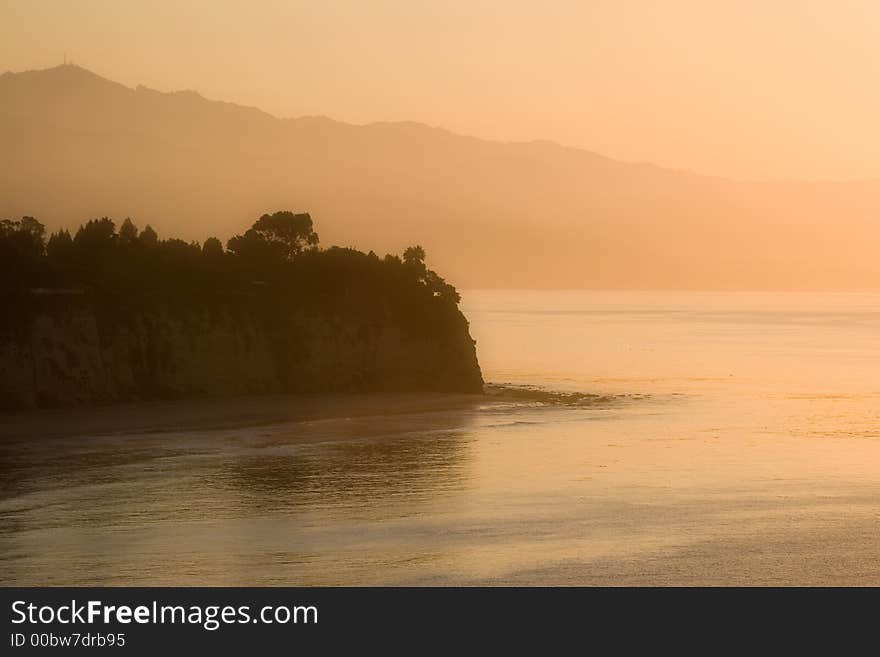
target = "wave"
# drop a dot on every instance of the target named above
(538, 396)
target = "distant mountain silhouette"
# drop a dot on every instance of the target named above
(537, 214)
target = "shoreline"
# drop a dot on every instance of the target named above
(207, 413)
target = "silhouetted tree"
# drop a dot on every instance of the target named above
(59, 248)
(60, 255)
(212, 248)
(414, 255)
(128, 232)
(280, 235)
(21, 248)
(94, 240)
(124, 269)
(254, 249)
(24, 237)
(148, 236)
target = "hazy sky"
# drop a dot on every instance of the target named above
(745, 88)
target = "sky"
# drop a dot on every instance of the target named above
(749, 89)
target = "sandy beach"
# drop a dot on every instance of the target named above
(217, 412)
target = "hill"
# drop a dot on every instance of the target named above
(492, 214)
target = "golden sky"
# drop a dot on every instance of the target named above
(742, 88)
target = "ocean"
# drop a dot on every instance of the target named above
(625, 438)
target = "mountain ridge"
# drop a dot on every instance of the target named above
(78, 72)
(409, 124)
(491, 213)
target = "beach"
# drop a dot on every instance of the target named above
(218, 412)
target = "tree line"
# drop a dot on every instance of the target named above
(278, 257)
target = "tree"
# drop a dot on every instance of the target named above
(290, 233)
(440, 288)
(414, 258)
(128, 232)
(255, 249)
(21, 249)
(148, 236)
(212, 248)
(414, 255)
(95, 237)
(24, 237)
(59, 248)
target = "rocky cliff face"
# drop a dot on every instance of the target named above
(69, 353)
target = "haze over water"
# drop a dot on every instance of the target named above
(628, 438)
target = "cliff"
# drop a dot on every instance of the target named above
(70, 351)
(109, 315)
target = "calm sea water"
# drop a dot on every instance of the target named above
(629, 438)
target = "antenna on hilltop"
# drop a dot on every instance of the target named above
(65, 59)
